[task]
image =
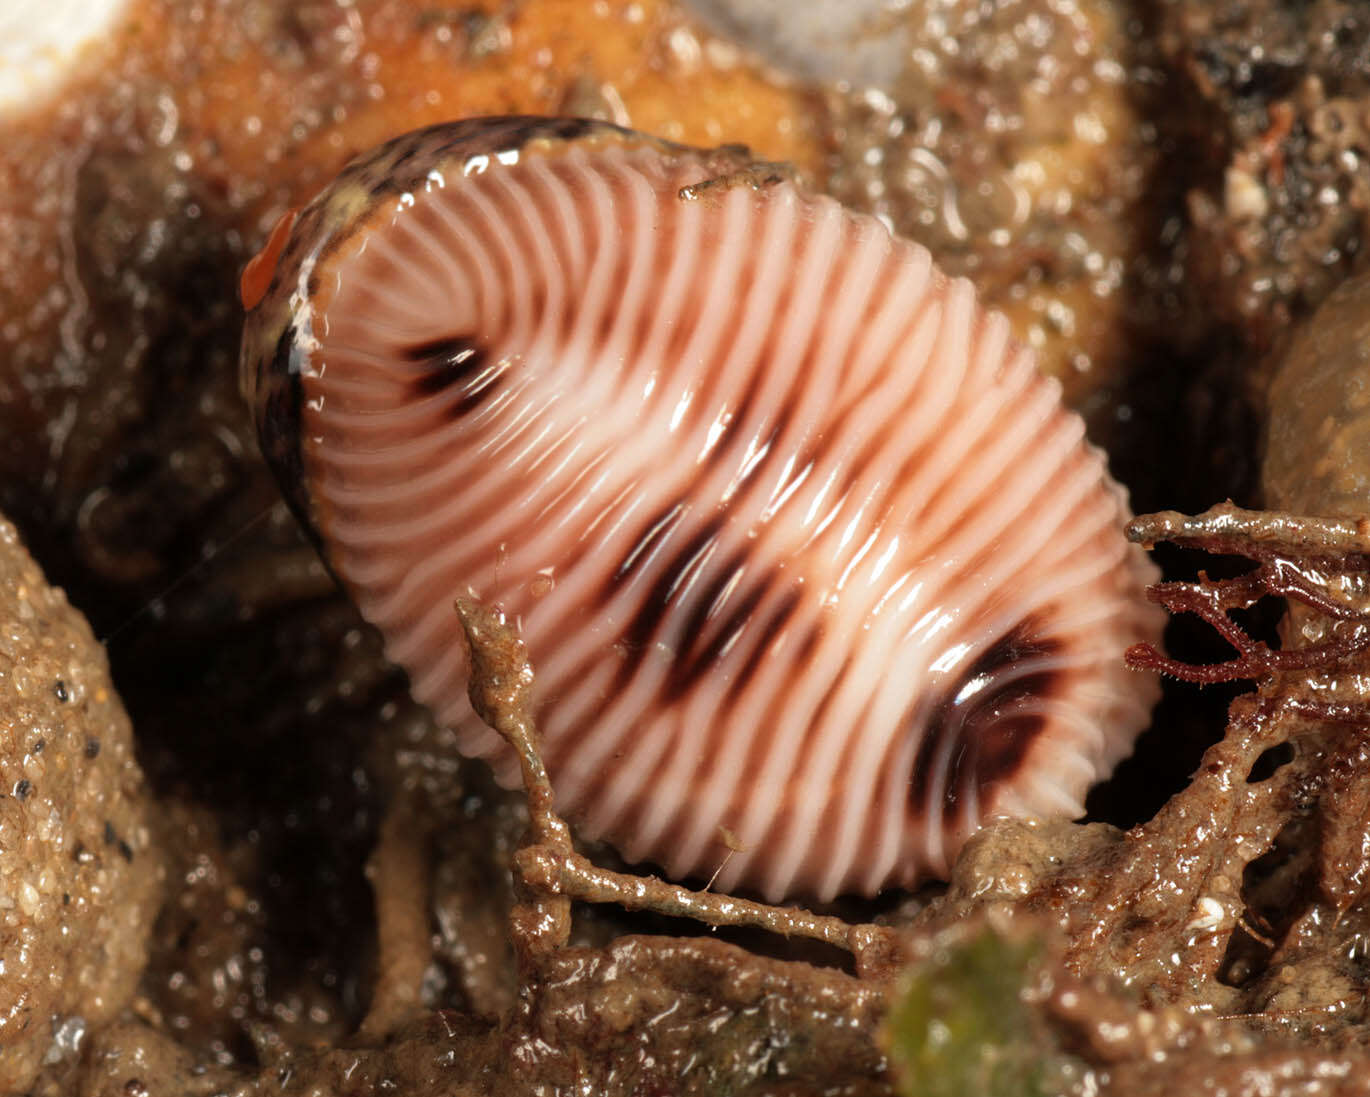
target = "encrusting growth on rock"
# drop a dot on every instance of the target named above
(1244, 897)
(81, 863)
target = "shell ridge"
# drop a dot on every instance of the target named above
(756, 302)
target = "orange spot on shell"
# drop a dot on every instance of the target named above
(261, 267)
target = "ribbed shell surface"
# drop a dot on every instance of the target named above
(814, 569)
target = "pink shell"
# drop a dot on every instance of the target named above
(804, 549)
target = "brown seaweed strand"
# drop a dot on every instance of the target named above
(554, 874)
(1226, 528)
(1283, 548)
(399, 873)
(1337, 712)
(501, 678)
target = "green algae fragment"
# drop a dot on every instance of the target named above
(961, 1022)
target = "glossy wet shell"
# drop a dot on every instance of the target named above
(815, 571)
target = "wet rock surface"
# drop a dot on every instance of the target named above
(81, 871)
(1011, 142)
(1277, 206)
(1317, 451)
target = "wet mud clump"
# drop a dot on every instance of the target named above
(80, 869)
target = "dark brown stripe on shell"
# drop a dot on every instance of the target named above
(642, 628)
(452, 360)
(697, 655)
(278, 430)
(654, 531)
(765, 633)
(988, 744)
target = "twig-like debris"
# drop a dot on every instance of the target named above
(575, 876)
(501, 681)
(398, 871)
(501, 684)
(754, 176)
(554, 873)
(1231, 529)
(733, 166)
(1296, 558)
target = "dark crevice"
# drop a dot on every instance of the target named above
(1278, 888)
(1266, 766)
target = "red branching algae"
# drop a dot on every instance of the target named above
(1290, 567)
